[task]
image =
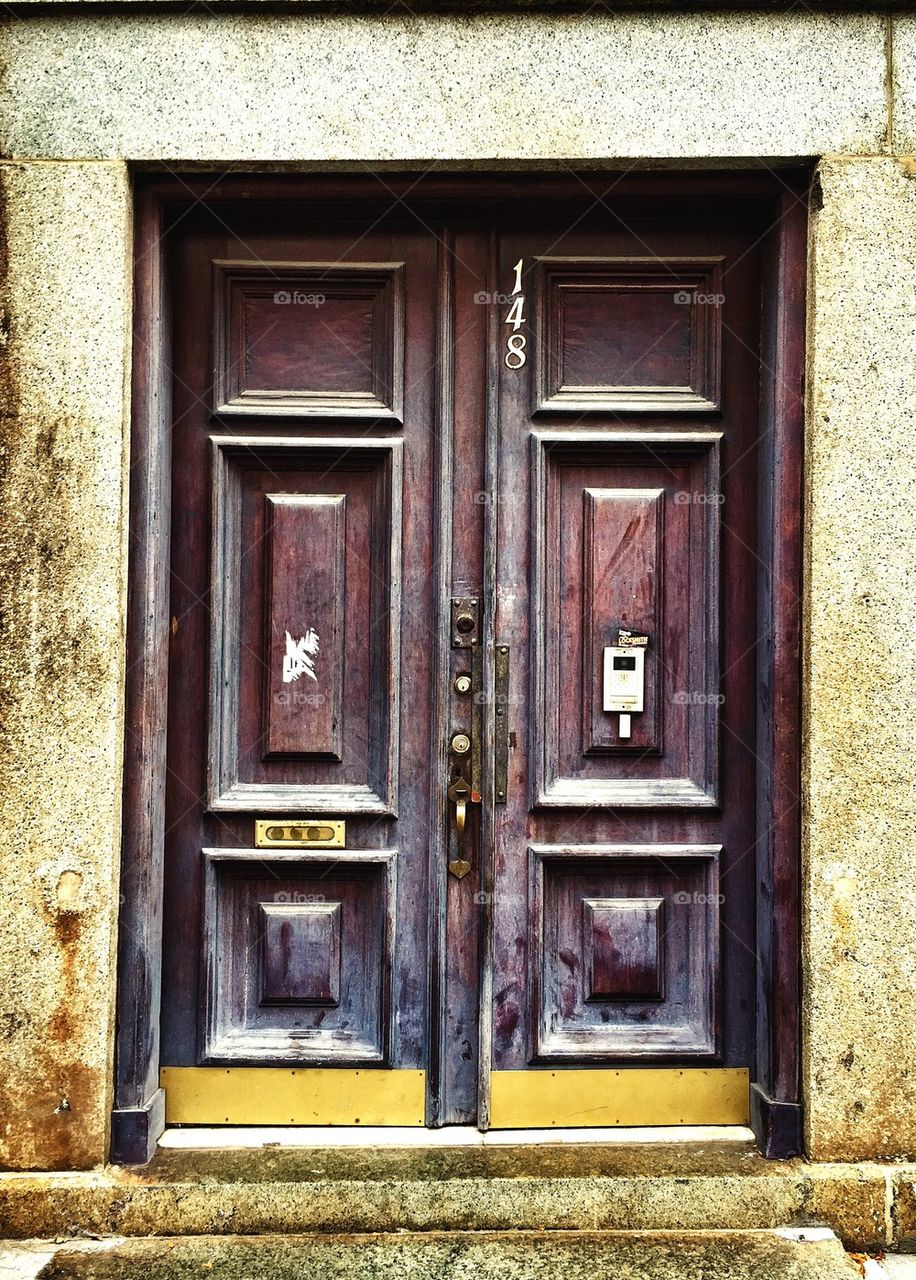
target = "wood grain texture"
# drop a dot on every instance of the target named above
(623, 948)
(297, 956)
(683, 660)
(304, 595)
(470, 500)
(309, 339)
(616, 335)
(700, 787)
(146, 700)
(354, 696)
(660, 999)
(623, 535)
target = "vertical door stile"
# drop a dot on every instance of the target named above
(439, 815)
(490, 615)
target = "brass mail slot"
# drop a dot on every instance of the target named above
(299, 833)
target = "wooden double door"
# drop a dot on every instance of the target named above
(462, 798)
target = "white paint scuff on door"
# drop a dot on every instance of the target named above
(299, 656)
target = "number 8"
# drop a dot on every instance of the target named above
(515, 351)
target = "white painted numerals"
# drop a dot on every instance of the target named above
(516, 354)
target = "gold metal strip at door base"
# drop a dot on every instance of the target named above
(611, 1098)
(293, 1095)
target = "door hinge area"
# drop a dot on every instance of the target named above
(501, 724)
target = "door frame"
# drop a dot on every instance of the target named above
(776, 1104)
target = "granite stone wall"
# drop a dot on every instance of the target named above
(85, 95)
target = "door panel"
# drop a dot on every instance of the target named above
(298, 956)
(383, 419)
(615, 547)
(302, 576)
(623, 880)
(626, 960)
(621, 334)
(306, 624)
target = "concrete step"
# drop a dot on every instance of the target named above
(535, 1255)
(669, 1187)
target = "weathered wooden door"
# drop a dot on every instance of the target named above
(623, 885)
(461, 807)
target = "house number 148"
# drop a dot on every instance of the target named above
(516, 342)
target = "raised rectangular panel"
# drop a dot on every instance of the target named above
(297, 955)
(622, 334)
(625, 534)
(300, 953)
(625, 953)
(309, 339)
(305, 594)
(623, 947)
(306, 566)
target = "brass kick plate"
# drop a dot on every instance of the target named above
(631, 1097)
(299, 833)
(293, 1095)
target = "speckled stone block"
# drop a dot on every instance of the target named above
(64, 336)
(860, 688)
(555, 1255)
(904, 98)
(678, 1187)
(409, 88)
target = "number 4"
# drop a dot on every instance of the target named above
(516, 316)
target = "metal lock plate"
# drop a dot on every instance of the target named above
(465, 622)
(299, 833)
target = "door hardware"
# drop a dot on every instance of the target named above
(624, 678)
(299, 833)
(462, 684)
(501, 728)
(461, 744)
(460, 793)
(465, 622)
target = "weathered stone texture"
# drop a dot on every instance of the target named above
(510, 1255)
(574, 1188)
(860, 703)
(529, 87)
(65, 332)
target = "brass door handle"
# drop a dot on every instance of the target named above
(460, 794)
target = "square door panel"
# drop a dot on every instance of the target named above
(305, 638)
(625, 957)
(626, 537)
(615, 335)
(309, 339)
(298, 956)
(300, 953)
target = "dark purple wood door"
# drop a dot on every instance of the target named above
(623, 874)
(304, 605)
(449, 482)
